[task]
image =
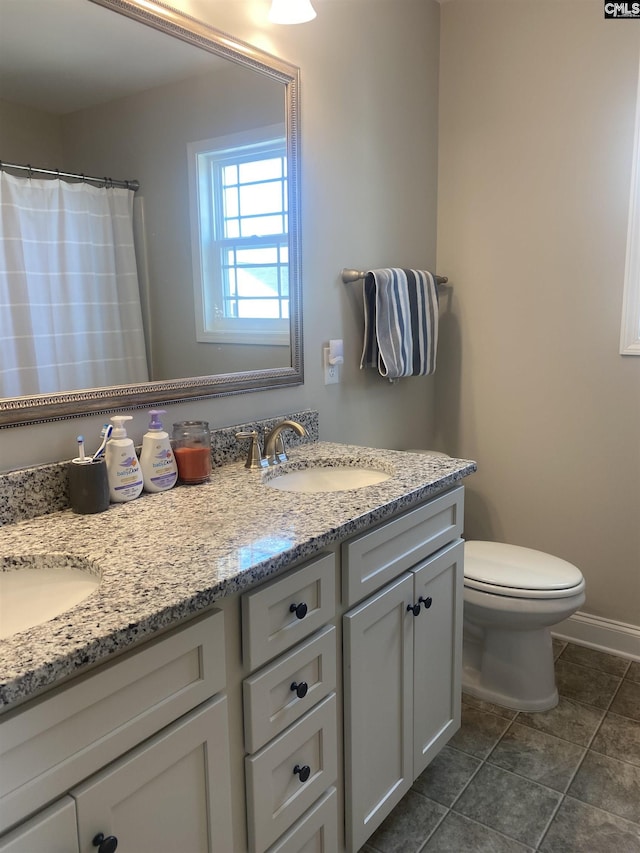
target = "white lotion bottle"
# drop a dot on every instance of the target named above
(123, 468)
(159, 468)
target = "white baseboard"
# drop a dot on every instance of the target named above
(606, 635)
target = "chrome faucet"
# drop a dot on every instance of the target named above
(274, 445)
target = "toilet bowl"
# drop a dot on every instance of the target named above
(512, 598)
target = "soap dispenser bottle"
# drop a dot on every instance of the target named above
(123, 468)
(159, 469)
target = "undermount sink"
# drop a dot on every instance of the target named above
(36, 588)
(335, 478)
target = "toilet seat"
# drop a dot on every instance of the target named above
(510, 570)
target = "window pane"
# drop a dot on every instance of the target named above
(232, 229)
(260, 226)
(231, 202)
(260, 170)
(229, 175)
(260, 255)
(258, 282)
(260, 198)
(268, 308)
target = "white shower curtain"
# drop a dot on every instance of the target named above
(70, 313)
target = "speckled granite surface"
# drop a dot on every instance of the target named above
(166, 556)
(31, 492)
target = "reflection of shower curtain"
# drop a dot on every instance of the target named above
(69, 300)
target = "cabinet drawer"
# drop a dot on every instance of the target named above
(279, 614)
(375, 558)
(276, 794)
(52, 831)
(271, 703)
(317, 829)
(73, 731)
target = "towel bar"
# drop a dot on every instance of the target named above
(349, 276)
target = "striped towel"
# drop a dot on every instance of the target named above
(400, 322)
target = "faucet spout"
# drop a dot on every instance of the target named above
(274, 450)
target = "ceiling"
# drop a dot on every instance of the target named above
(71, 47)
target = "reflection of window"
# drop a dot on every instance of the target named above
(239, 237)
(630, 333)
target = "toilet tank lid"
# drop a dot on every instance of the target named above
(517, 567)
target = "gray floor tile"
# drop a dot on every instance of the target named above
(509, 804)
(458, 834)
(538, 756)
(595, 659)
(479, 732)
(585, 685)
(446, 776)
(633, 673)
(489, 707)
(569, 720)
(619, 737)
(609, 784)
(558, 647)
(408, 826)
(627, 701)
(578, 828)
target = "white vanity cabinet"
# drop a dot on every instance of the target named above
(137, 750)
(402, 651)
(290, 710)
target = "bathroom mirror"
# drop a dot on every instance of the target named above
(133, 89)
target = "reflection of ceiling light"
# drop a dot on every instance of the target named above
(291, 11)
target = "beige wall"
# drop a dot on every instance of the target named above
(30, 136)
(536, 122)
(369, 147)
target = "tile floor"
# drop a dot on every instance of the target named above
(561, 781)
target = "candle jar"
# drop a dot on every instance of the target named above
(192, 449)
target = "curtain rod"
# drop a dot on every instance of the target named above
(349, 276)
(106, 182)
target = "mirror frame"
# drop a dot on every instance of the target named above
(20, 411)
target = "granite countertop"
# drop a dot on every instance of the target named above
(166, 556)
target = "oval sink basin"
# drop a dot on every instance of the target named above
(34, 589)
(333, 479)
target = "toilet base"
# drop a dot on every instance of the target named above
(513, 669)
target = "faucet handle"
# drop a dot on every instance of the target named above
(254, 457)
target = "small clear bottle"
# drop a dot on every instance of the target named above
(192, 449)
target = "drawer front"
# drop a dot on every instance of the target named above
(276, 793)
(316, 831)
(375, 558)
(71, 733)
(283, 691)
(279, 614)
(53, 830)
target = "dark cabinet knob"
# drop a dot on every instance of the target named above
(428, 601)
(105, 845)
(303, 772)
(414, 608)
(300, 689)
(299, 609)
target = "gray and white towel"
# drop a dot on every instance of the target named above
(400, 322)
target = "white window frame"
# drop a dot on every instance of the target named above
(630, 328)
(225, 330)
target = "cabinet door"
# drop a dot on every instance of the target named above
(378, 696)
(437, 653)
(53, 830)
(170, 794)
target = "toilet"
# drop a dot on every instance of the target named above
(512, 598)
